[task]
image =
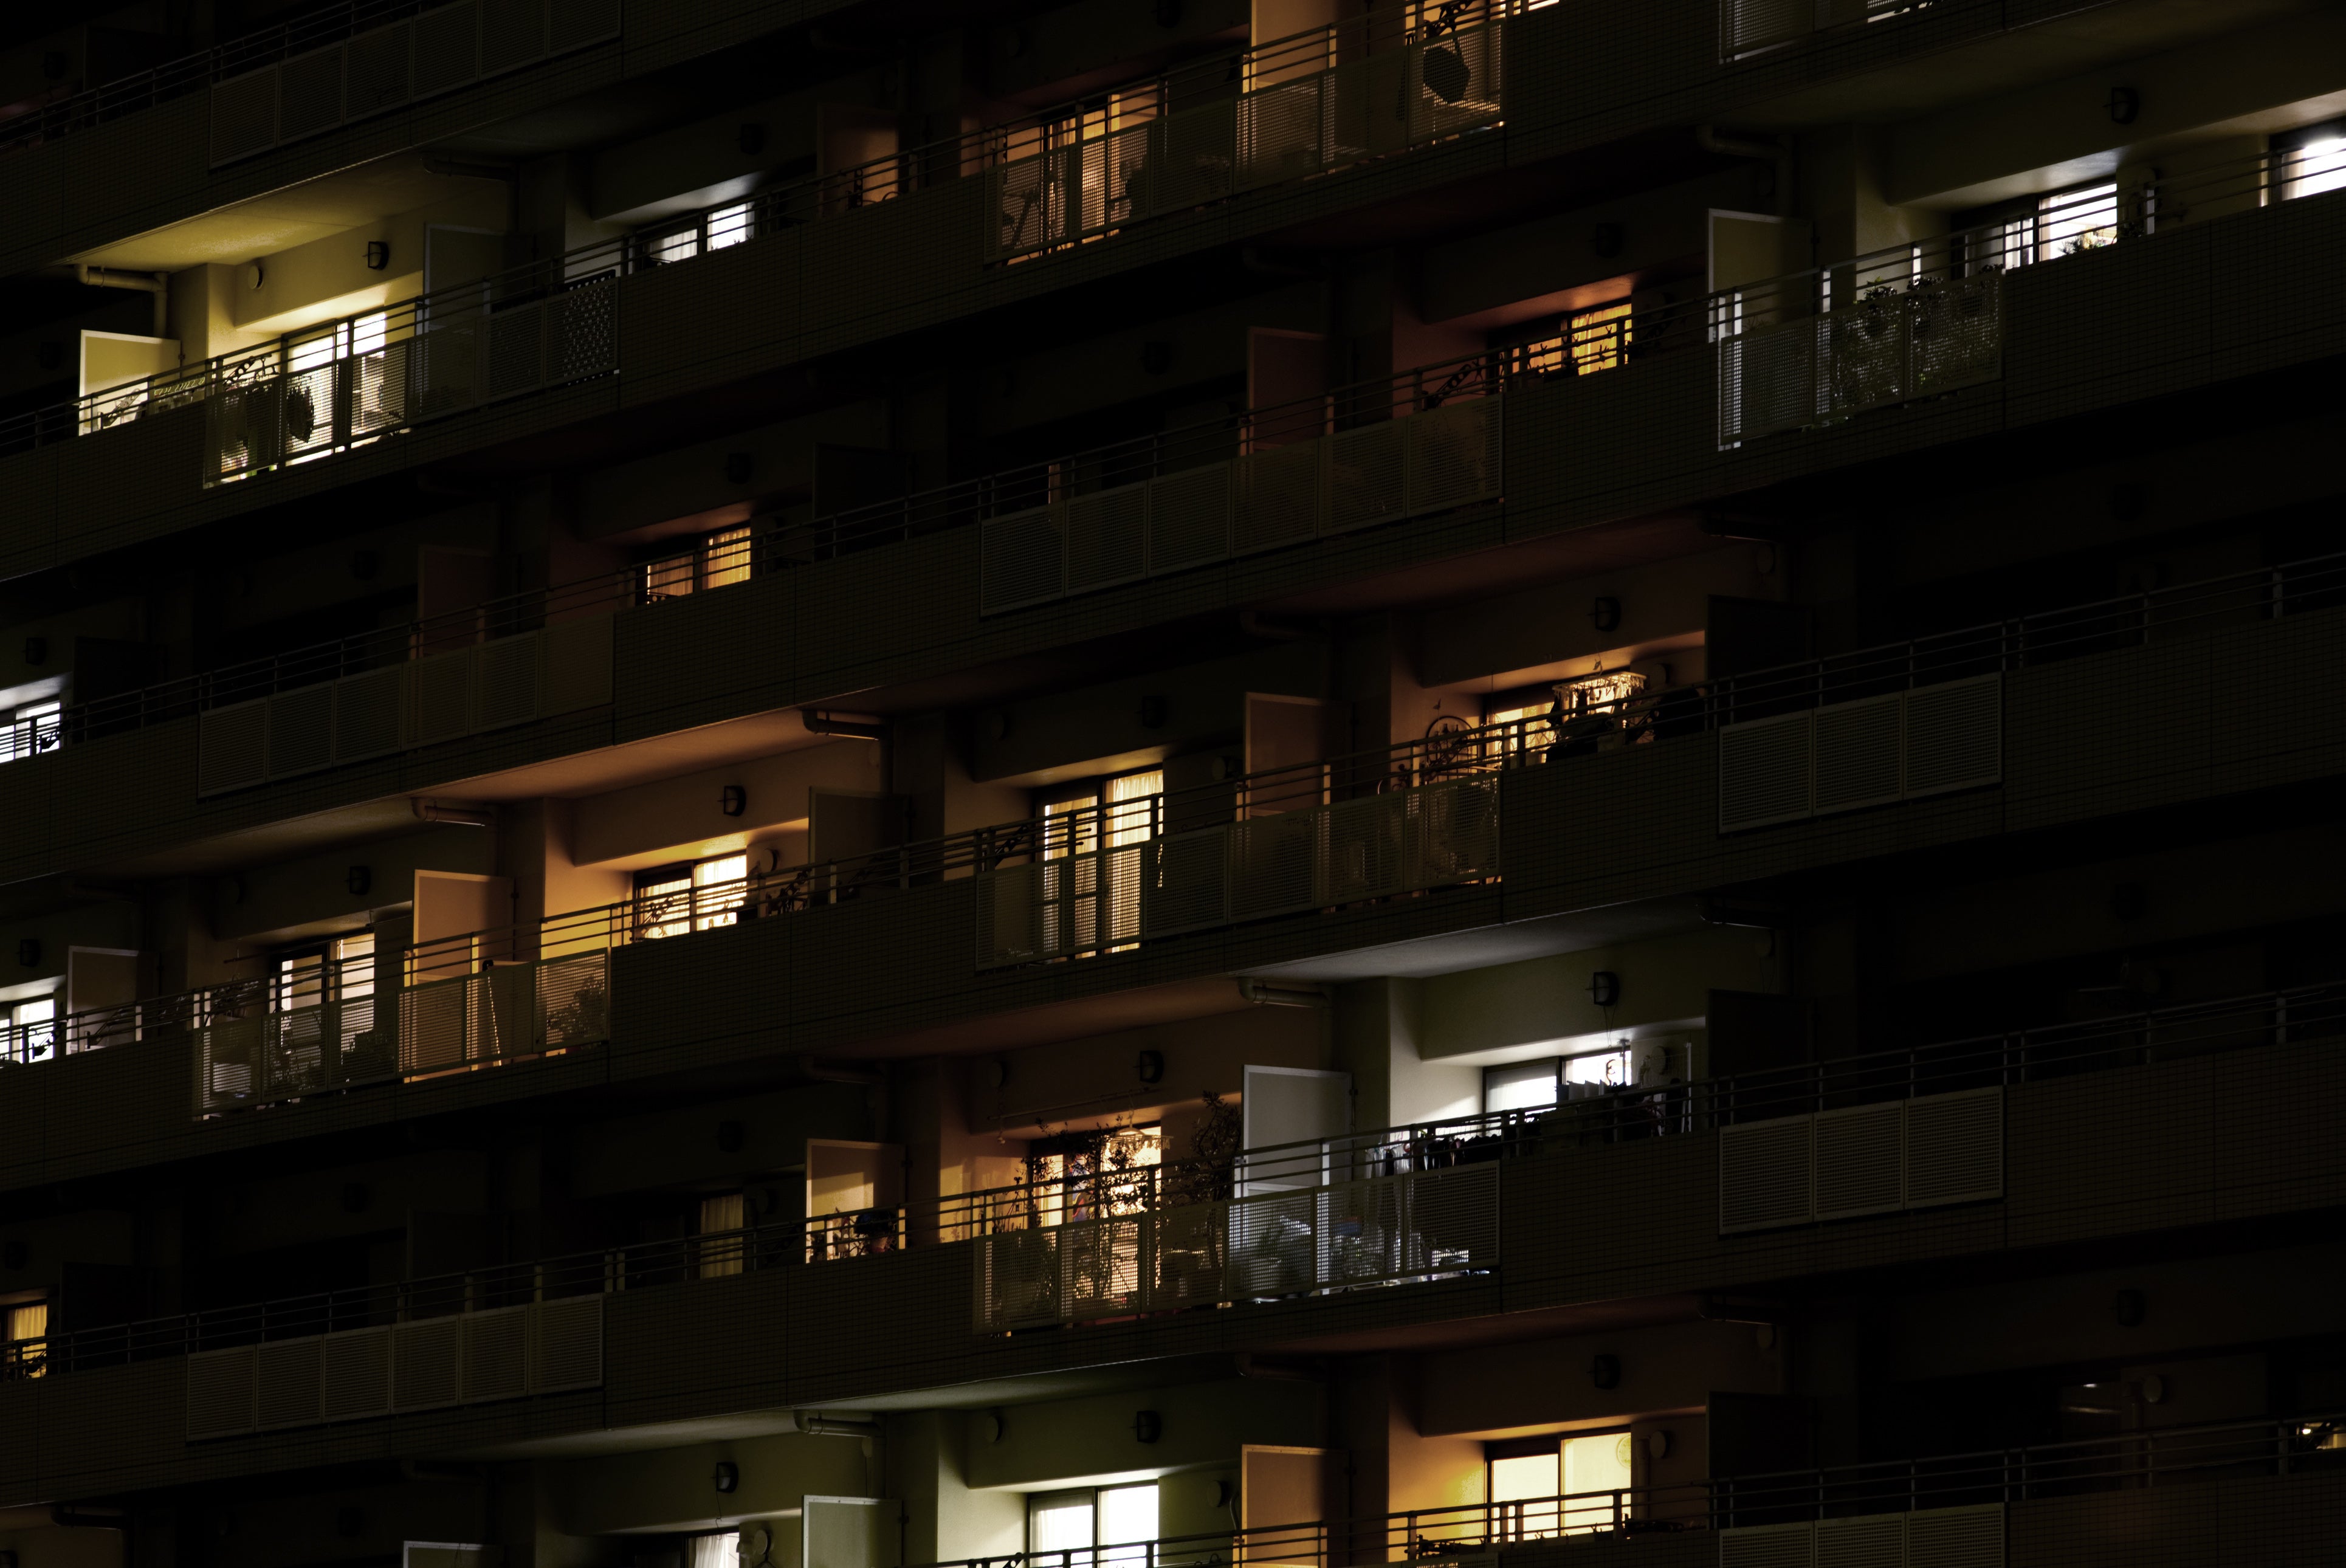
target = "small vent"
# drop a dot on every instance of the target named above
(1954, 736)
(1763, 772)
(1764, 1174)
(1024, 560)
(220, 1393)
(1954, 1148)
(1768, 1546)
(1868, 1541)
(300, 731)
(357, 1375)
(496, 1354)
(289, 1383)
(310, 92)
(567, 1345)
(427, 1361)
(1956, 1537)
(1860, 1160)
(1190, 518)
(232, 747)
(508, 669)
(244, 116)
(366, 714)
(446, 49)
(1857, 753)
(443, 687)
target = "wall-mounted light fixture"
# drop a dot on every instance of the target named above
(1605, 1371)
(254, 275)
(1604, 988)
(1150, 1068)
(359, 879)
(730, 1135)
(1148, 1426)
(36, 650)
(1604, 614)
(1153, 710)
(28, 951)
(732, 800)
(2124, 105)
(751, 138)
(2128, 1308)
(378, 255)
(994, 1426)
(739, 466)
(728, 1476)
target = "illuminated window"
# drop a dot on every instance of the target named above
(718, 890)
(26, 1328)
(729, 226)
(1069, 1529)
(2074, 221)
(722, 1217)
(31, 730)
(1599, 339)
(1523, 1495)
(1597, 1479)
(725, 559)
(679, 245)
(664, 903)
(2314, 166)
(1521, 1086)
(31, 1028)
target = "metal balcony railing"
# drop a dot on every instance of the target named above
(195, 71)
(1986, 1481)
(1748, 27)
(1361, 1209)
(1056, 899)
(325, 389)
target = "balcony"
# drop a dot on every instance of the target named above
(1827, 737)
(331, 68)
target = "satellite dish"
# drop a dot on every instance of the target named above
(1446, 74)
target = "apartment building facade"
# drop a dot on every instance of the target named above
(868, 785)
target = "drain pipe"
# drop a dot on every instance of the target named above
(1262, 994)
(159, 284)
(819, 721)
(1774, 150)
(456, 816)
(814, 1423)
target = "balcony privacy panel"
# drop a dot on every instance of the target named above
(287, 1380)
(1374, 847)
(445, 697)
(1970, 1537)
(1390, 1230)
(445, 48)
(222, 1393)
(1280, 495)
(1860, 1160)
(1888, 347)
(1956, 1537)
(356, 1381)
(1283, 131)
(1921, 1153)
(273, 1056)
(432, 1363)
(1845, 756)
